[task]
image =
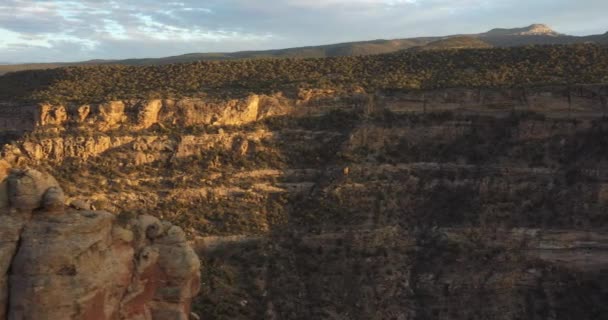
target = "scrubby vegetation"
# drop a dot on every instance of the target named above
(361, 211)
(402, 71)
(463, 42)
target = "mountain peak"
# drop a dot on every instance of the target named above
(531, 30)
(539, 29)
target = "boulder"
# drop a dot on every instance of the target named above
(150, 226)
(53, 199)
(27, 187)
(75, 263)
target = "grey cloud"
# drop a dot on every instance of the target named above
(20, 17)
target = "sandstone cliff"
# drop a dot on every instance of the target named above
(59, 262)
(141, 114)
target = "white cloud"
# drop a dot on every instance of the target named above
(36, 30)
(342, 3)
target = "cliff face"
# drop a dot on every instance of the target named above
(67, 263)
(448, 204)
(140, 114)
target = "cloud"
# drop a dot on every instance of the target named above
(51, 30)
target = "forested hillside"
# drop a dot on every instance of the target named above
(464, 42)
(495, 67)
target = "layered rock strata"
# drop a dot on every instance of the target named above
(447, 204)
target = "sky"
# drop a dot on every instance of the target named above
(76, 30)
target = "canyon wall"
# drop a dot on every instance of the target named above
(447, 204)
(184, 112)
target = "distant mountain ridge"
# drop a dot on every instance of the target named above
(535, 34)
(531, 30)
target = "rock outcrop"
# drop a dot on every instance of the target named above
(141, 114)
(531, 30)
(64, 263)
